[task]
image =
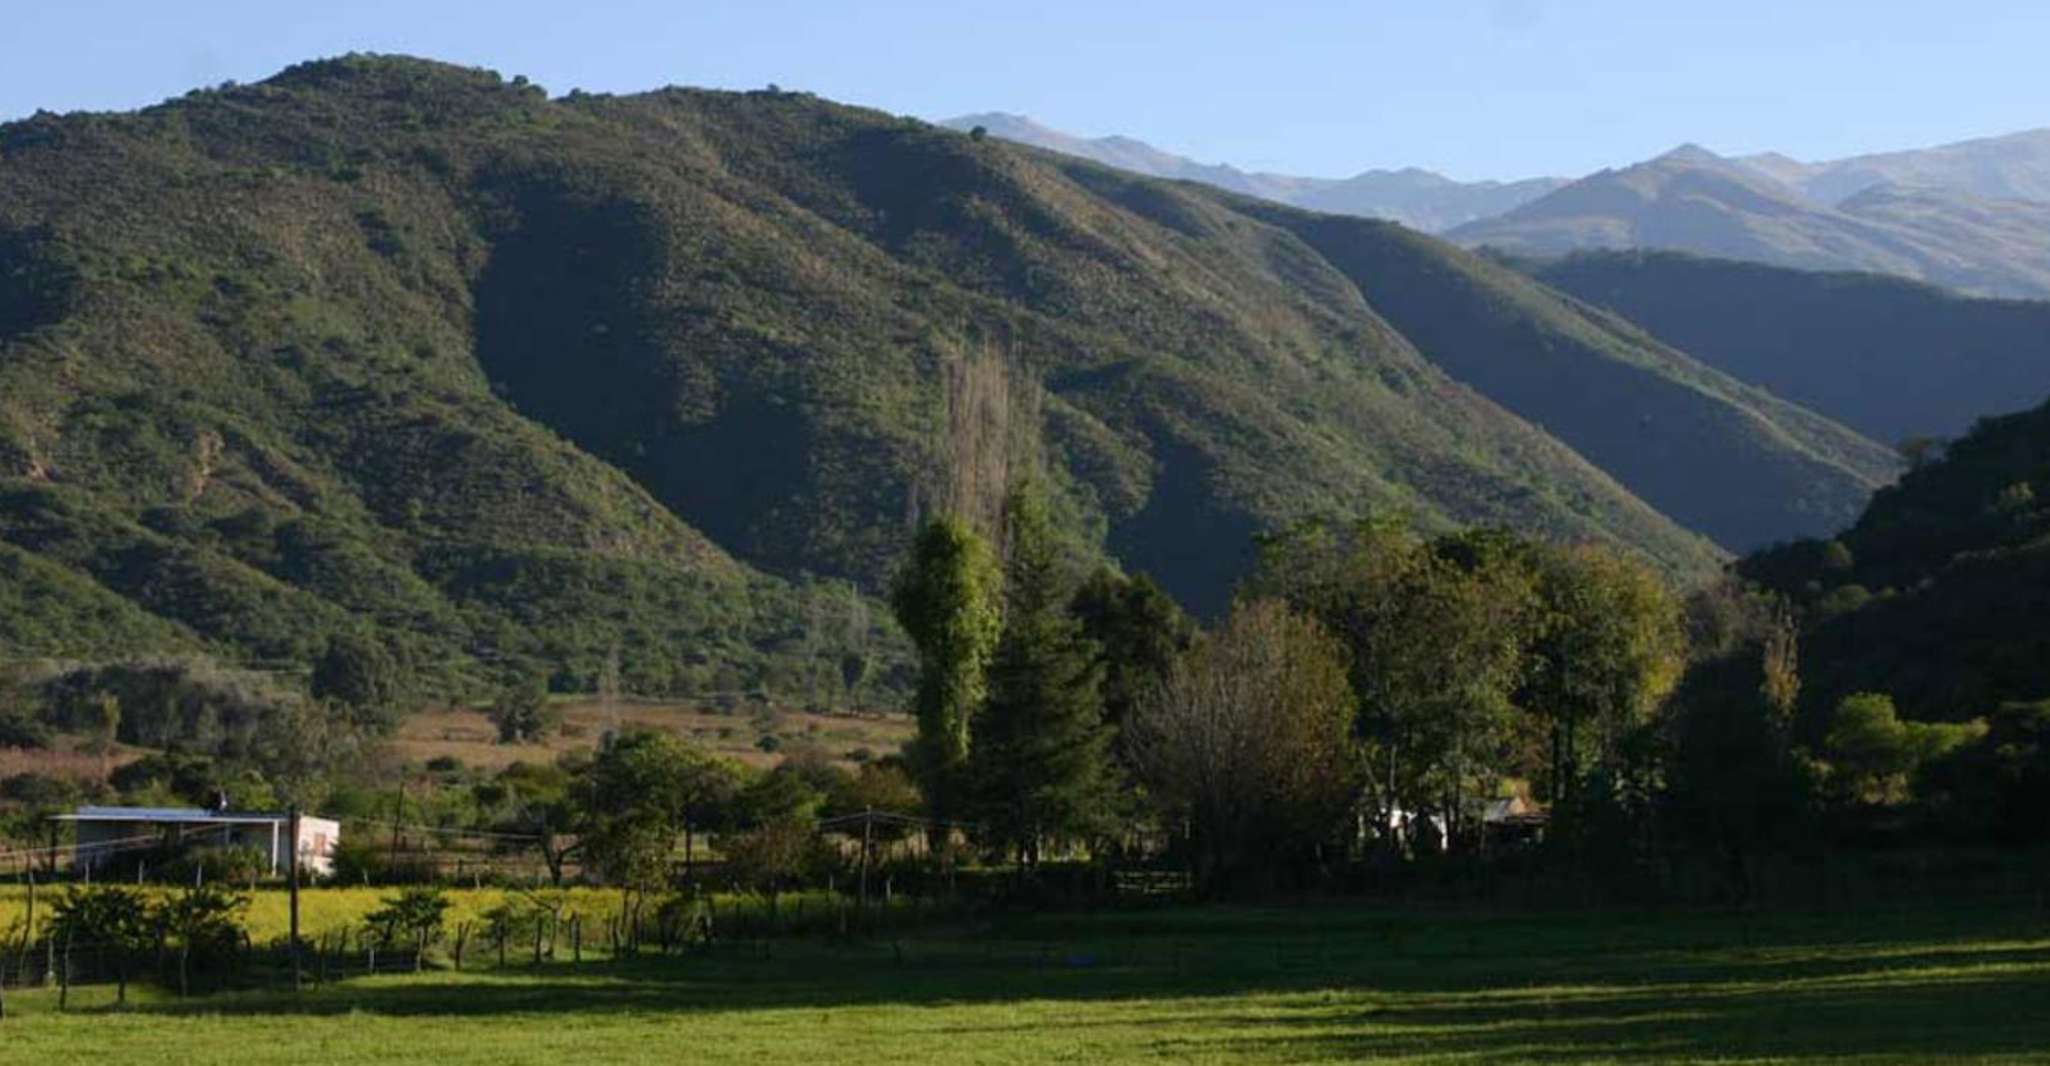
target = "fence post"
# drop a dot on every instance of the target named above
(462, 939)
(64, 974)
(576, 937)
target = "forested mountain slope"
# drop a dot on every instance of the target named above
(1937, 595)
(381, 341)
(1890, 358)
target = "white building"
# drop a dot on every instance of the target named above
(106, 833)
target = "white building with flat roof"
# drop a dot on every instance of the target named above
(106, 833)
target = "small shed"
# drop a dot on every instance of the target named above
(106, 833)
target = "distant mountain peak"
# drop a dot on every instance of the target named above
(1690, 153)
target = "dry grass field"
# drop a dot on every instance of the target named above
(469, 736)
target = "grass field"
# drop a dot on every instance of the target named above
(1312, 984)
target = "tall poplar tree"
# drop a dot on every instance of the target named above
(948, 598)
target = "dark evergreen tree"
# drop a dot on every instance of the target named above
(1040, 751)
(1139, 629)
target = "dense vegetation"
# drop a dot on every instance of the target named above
(1891, 358)
(1937, 595)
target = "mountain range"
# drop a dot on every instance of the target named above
(384, 344)
(1973, 215)
(1695, 201)
(1412, 196)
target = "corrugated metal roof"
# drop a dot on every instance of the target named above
(168, 814)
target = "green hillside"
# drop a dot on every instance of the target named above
(1730, 460)
(1888, 357)
(381, 342)
(1937, 595)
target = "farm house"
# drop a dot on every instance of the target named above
(106, 833)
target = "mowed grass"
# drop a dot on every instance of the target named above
(1311, 984)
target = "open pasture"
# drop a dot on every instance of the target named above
(1310, 984)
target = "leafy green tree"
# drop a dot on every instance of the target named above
(1871, 756)
(1040, 752)
(112, 920)
(539, 802)
(523, 713)
(417, 915)
(1139, 630)
(202, 922)
(1248, 743)
(1437, 635)
(645, 791)
(361, 673)
(1610, 647)
(948, 598)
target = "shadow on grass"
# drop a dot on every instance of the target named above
(1344, 984)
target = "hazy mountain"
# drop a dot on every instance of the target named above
(2011, 167)
(1888, 357)
(1417, 198)
(1695, 201)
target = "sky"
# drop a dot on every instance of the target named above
(1471, 88)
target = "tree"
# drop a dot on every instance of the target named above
(1039, 755)
(1437, 634)
(540, 803)
(111, 919)
(416, 915)
(1248, 743)
(362, 674)
(1871, 756)
(1735, 783)
(1139, 630)
(1609, 649)
(523, 714)
(203, 921)
(645, 791)
(947, 598)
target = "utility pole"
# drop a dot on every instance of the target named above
(293, 868)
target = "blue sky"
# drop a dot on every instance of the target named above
(1474, 88)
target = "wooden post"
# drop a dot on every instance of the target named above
(462, 938)
(292, 902)
(576, 937)
(28, 930)
(64, 974)
(867, 824)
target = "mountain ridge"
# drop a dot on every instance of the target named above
(384, 342)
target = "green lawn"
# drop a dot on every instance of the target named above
(1309, 984)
